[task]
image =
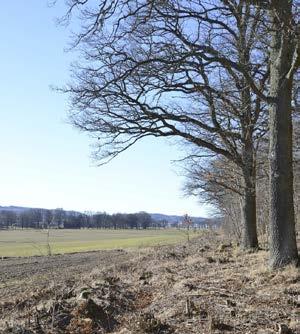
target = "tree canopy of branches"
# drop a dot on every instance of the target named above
(194, 70)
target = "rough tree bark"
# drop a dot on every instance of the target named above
(248, 202)
(283, 247)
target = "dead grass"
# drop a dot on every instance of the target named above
(201, 287)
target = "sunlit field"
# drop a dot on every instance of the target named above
(34, 242)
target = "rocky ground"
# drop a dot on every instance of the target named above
(206, 286)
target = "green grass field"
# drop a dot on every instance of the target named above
(34, 242)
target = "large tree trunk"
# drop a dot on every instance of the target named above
(248, 203)
(283, 247)
(249, 230)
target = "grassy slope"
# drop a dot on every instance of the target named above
(34, 242)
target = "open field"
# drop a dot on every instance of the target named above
(34, 242)
(206, 286)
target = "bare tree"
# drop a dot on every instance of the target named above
(220, 183)
(283, 238)
(165, 69)
(284, 29)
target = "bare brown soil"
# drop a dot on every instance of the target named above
(19, 274)
(206, 286)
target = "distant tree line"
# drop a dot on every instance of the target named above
(59, 218)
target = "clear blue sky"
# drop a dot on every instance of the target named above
(44, 161)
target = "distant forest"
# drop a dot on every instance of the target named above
(59, 218)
